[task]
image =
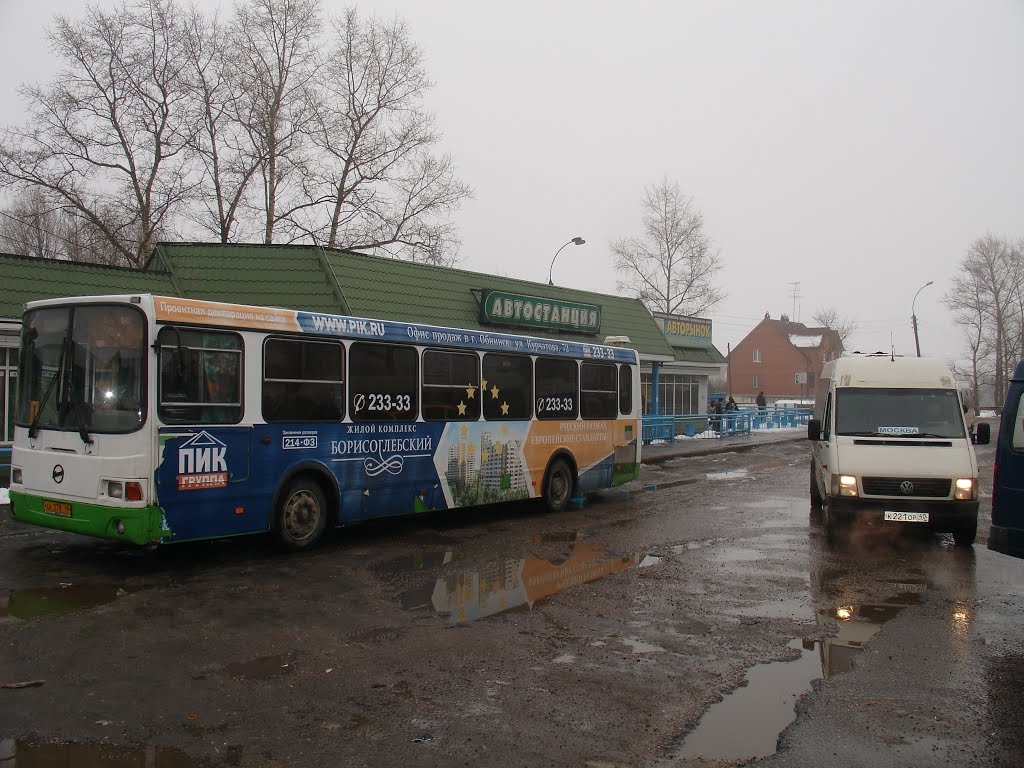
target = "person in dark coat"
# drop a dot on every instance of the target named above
(762, 403)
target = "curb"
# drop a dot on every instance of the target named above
(709, 451)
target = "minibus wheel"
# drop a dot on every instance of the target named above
(302, 515)
(964, 535)
(558, 485)
(816, 500)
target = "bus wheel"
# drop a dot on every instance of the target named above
(302, 516)
(558, 485)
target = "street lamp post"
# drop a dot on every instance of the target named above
(574, 241)
(913, 316)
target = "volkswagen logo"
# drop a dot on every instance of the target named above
(906, 487)
(58, 473)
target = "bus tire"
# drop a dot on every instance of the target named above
(301, 517)
(559, 483)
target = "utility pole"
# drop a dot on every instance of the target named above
(796, 295)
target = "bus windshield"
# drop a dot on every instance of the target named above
(912, 413)
(82, 369)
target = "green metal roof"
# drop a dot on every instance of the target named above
(699, 355)
(319, 280)
(25, 279)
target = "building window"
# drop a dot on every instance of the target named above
(756, 382)
(677, 394)
(757, 357)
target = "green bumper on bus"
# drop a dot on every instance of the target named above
(625, 473)
(140, 525)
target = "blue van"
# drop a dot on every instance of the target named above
(1007, 532)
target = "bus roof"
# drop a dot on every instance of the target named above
(169, 309)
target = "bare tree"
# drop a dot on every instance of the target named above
(276, 41)
(33, 226)
(993, 300)
(108, 134)
(830, 318)
(225, 143)
(672, 268)
(375, 183)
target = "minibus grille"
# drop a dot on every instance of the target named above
(929, 487)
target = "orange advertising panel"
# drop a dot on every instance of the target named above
(588, 441)
(173, 310)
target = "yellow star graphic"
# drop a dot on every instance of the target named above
(462, 408)
(494, 391)
(483, 383)
(470, 391)
(464, 432)
(504, 409)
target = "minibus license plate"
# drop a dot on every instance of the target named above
(906, 517)
(57, 508)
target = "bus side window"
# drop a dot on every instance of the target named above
(451, 386)
(200, 376)
(625, 390)
(507, 384)
(557, 388)
(598, 391)
(383, 382)
(303, 380)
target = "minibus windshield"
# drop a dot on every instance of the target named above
(899, 412)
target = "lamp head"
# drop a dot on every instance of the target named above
(578, 241)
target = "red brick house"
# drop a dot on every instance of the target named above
(780, 358)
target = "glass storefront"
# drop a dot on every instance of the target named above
(677, 393)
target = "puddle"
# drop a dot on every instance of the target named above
(504, 585)
(765, 706)
(28, 604)
(733, 474)
(857, 624)
(263, 667)
(26, 754)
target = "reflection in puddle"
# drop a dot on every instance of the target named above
(24, 754)
(264, 666)
(34, 603)
(506, 584)
(764, 706)
(857, 624)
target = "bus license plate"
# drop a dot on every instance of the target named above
(57, 508)
(906, 517)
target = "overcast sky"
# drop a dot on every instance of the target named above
(843, 153)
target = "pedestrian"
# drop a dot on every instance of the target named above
(715, 408)
(730, 404)
(762, 403)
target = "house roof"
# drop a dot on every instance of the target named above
(709, 355)
(320, 280)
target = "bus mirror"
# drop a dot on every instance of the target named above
(813, 429)
(982, 433)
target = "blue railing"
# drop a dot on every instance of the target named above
(706, 425)
(5, 466)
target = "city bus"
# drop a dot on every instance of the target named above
(152, 419)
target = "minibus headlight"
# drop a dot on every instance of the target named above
(964, 489)
(844, 485)
(16, 475)
(114, 489)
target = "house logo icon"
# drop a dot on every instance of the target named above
(202, 463)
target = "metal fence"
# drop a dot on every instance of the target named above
(711, 426)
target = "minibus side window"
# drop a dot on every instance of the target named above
(1017, 438)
